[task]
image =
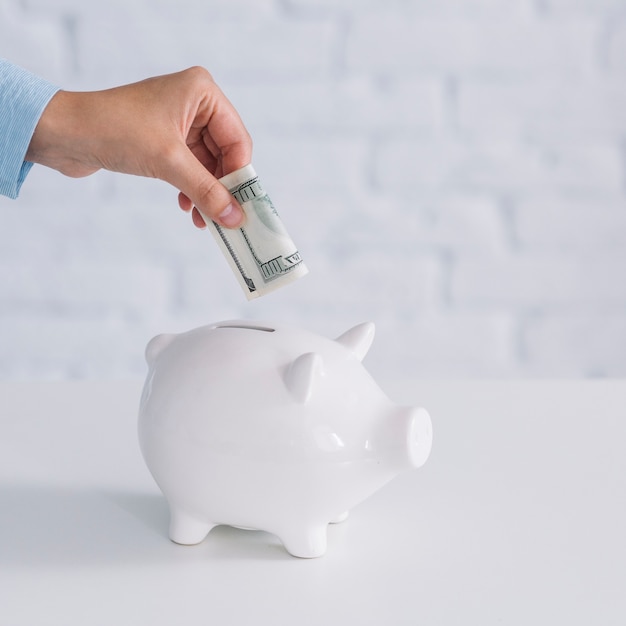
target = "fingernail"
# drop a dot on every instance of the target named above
(231, 216)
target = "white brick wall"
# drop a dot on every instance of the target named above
(454, 171)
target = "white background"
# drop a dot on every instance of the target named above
(454, 171)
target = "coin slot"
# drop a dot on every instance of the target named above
(264, 329)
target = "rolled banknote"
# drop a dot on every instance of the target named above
(261, 254)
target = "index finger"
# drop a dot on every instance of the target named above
(227, 138)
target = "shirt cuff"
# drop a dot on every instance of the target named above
(23, 98)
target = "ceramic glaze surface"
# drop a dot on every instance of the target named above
(277, 429)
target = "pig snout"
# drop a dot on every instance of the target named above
(419, 436)
(413, 435)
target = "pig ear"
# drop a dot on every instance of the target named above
(358, 339)
(156, 345)
(302, 375)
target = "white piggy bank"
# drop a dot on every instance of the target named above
(270, 428)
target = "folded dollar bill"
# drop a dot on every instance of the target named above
(261, 253)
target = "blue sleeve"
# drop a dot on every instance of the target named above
(23, 98)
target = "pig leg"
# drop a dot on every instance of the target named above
(187, 530)
(307, 542)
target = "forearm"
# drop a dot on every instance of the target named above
(67, 135)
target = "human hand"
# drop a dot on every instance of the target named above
(179, 128)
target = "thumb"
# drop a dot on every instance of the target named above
(209, 196)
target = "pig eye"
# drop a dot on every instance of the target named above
(264, 329)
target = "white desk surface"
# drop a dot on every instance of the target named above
(518, 517)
